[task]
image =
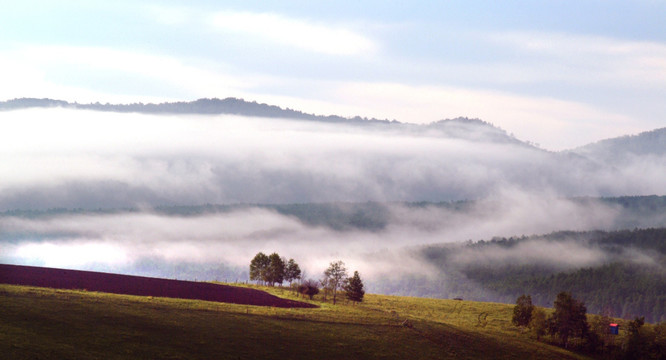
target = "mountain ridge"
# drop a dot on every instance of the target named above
(451, 127)
(608, 152)
(646, 143)
(458, 127)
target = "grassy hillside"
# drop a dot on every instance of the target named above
(55, 324)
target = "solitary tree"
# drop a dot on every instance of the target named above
(258, 267)
(336, 274)
(292, 271)
(568, 319)
(522, 312)
(354, 288)
(275, 271)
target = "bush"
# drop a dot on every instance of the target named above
(309, 288)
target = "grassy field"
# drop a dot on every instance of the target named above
(40, 323)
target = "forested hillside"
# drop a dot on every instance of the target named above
(627, 277)
(627, 148)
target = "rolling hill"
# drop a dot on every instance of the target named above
(56, 324)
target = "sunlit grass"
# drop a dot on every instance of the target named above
(47, 323)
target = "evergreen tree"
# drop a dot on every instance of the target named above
(522, 312)
(354, 288)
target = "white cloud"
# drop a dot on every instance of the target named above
(593, 59)
(63, 72)
(37, 71)
(170, 15)
(76, 158)
(305, 35)
(555, 124)
(72, 255)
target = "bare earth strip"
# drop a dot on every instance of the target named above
(138, 285)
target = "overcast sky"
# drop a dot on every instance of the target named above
(558, 73)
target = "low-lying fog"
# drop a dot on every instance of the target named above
(58, 158)
(121, 241)
(74, 158)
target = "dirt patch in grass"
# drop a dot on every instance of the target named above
(139, 285)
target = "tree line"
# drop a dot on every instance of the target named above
(569, 326)
(273, 269)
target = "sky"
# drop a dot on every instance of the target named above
(557, 73)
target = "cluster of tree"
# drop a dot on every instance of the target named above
(336, 279)
(273, 269)
(570, 321)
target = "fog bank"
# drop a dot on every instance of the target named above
(86, 159)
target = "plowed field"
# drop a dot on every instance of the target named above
(138, 285)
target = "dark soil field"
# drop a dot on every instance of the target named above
(138, 285)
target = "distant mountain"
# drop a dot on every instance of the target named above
(626, 148)
(232, 106)
(460, 128)
(473, 129)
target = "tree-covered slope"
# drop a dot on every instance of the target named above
(623, 275)
(626, 148)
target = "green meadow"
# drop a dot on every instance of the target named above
(40, 323)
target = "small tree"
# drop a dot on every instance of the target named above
(569, 318)
(336, 274)
(324, 286)
(258, 267)
(292, 271)
(354, 288)
(522, 312)
(309, 288)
